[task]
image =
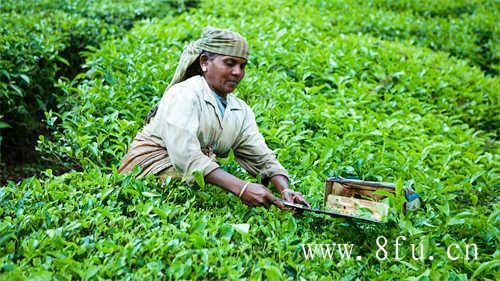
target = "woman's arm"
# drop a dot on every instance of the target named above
(254, 195)
(254, 156)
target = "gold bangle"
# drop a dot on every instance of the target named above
(243, 189)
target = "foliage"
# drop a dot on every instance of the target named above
(466, 29)
(32, 48)
(120, 13)
(42, 41)
(328, 102)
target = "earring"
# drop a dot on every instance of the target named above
(204, 69)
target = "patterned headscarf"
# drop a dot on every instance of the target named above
(214, 40)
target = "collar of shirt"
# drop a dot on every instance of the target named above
(221, 104)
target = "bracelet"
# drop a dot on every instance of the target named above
(243, 189)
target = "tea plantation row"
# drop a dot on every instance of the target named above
(328, 100)
(42, 42)
(466, 29)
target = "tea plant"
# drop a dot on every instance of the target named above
(329, 103)
(41, 42)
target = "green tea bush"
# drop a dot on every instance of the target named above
(465, 29)
(42, 42)
(34, 49)
(120, 74)
(327, 103)
(120, 13)
(441, 8)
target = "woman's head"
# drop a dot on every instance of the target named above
(222, 73)
(219, 55)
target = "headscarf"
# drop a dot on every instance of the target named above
(214, 40)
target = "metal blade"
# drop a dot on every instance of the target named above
(330, 213)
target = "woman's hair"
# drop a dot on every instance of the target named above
(195, 68)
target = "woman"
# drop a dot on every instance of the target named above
(198, 118)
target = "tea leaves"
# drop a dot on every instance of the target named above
(337, 88)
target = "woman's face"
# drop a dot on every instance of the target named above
(223, 73)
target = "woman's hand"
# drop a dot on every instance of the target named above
(256, 195)
(294, 197)
(281, 183)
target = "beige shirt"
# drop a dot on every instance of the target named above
(188, 120)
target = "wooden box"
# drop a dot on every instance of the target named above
(356, 198)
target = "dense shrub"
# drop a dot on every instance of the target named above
(125, 80)
(121, 13)
(32, 49)
(465, 29)
(441, 8)
(328, 104)
(42, 41)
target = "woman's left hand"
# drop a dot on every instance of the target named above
(294, 197)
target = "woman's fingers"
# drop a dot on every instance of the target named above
(269, 199)
(265, 202)
(298, 198)
(258, 195)
(295, 197)
(276, 202)
(288, 195)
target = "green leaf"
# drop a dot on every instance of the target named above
(40, 276)
(150, 194)
(455, 221)
(226, 232)
(91, 272)
(242, 228)
(17, 89)
(25, 78)
(489, 265)
(4, 125)
(6, 236)
(199, 178)
(63, 60)
(273, 273)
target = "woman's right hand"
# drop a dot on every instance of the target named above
(254, 194)
(258, 195)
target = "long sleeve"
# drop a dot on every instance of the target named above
(177, 124)
(252, 153)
